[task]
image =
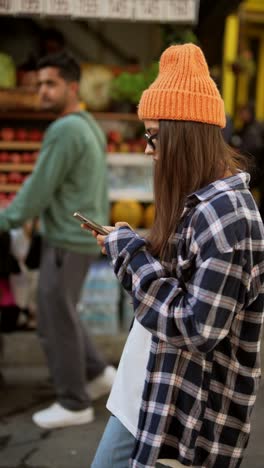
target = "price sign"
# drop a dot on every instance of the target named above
(7, 7)
(30, 6)
(86, 8)
(118, 9)
(59, 7)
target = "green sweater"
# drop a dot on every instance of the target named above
(70, 175)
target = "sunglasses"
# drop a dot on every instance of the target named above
(150, 139)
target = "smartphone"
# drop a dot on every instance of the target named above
(91, 224)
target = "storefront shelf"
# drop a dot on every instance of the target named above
(131, 194)
(37, 115)
(10, 188)
(10, 167)
(20, 145)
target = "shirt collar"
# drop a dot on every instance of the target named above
(238, 181)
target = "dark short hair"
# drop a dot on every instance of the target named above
(68, 67)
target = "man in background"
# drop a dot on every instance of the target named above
(69, 175)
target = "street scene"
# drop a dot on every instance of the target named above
(131, 234)
(23, 445)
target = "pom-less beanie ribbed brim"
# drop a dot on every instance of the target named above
(183, 89)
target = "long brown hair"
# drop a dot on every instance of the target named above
(191, 156)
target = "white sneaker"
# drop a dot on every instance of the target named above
(56, 416)
(102, 384)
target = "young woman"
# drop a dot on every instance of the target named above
(190, 370)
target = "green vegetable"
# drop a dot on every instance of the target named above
(129, 86)
(7, 71)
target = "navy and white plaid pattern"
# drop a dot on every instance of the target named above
(204, 308)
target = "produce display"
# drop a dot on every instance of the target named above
(130, 211)
(149, 215)
(95, 86)
(22, 125)
(20, 134)
(129, 175)
(118, 143)
(135, 213)
(18, 154)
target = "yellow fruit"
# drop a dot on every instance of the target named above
(149, 214)
(95, 86)
(130, 211)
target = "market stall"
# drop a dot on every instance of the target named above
(185, 11)
(110, 92)
(243, 60)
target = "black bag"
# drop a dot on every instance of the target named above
(34, 254)
(8, 263)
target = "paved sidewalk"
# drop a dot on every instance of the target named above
(23, 445)
(27, 389)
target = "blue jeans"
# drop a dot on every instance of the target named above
(115, 447)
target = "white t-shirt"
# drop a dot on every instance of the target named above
(125, 397)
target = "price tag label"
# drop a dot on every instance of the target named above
(30, 6)
(118, 9)
(7, 7)
(59, 7)
(86, 8)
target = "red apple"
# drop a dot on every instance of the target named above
(4, 200)
(114, 136)
(111, 148)
(136, 147)
(26, 158)
(2, 197)
(4, 156)
(15, 158)
(15, 177)
(35, 135)
(32, 158)
(8, 134)
(21, 134)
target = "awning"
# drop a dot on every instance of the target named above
(172, 11)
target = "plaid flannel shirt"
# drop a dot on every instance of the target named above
(204, 308)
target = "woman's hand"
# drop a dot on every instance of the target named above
(100, 238)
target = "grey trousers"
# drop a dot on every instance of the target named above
(71, 354)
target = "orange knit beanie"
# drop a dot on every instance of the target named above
(183, 89)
